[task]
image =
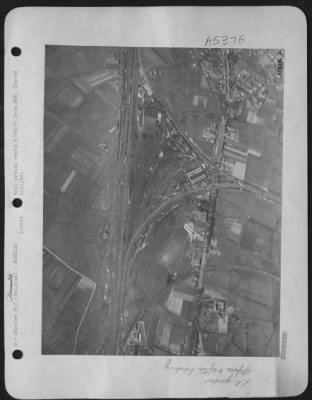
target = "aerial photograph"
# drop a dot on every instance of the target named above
(162, 201)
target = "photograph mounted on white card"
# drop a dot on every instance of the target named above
(153, 190)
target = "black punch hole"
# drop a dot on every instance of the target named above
(16, 51)
(17, 203)
(17, 354)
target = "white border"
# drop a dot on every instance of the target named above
(37, 376)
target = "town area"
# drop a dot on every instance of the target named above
(162, 201)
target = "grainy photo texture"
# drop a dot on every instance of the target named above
(162, 201)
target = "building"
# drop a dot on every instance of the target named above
(196, 258)
(55, 177)
(196, 176)
(213, 316)
(68, 181)
(151, 118)
(201, 205)
(192, 280)
(137, 335)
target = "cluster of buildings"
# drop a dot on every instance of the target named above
(137, 340)
(213, 68)
(187, 91)
(246, 85)
(196, 317)
(241, 79)
(168, 324)
(152, 121)
(254, 102)
(214, 337)
(197, 175)
(203, 244)
(188, 321)
(178, 322)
